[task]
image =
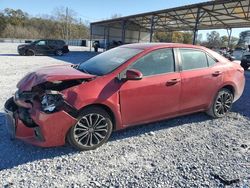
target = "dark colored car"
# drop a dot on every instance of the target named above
(122, 87)
(245, 61)
(43, 47)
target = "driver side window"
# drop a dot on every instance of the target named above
(157, 62)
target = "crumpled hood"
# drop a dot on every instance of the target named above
(50, 74)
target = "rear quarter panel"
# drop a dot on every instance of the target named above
(234, 76)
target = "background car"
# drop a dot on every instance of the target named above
(238, 53)
(104, 44)
(43, 47)
(245, 61)
(122, 87)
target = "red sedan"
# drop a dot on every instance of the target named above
(129, 85)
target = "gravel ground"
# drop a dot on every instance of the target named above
(190, 151)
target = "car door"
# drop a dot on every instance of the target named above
(41, 47)
(156, 96)
(200, 79)
(52, 44)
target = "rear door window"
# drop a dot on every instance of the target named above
(211, 61)
(193, 59)
(51, 43)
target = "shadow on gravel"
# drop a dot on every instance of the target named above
(14, 153)
(76, 57)
(151, 127)
(9, 54)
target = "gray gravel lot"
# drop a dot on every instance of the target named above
(190, 151)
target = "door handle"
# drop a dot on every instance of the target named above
(217, 73)
(173, 81)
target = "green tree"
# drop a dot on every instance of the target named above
(187, 37)
(224, 41)
(213, 39)
(233, 42)
(178, 37)
(163, 36)
(18, 24)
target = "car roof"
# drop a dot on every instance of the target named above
(50, 40)
(152, 46)
(145, 46)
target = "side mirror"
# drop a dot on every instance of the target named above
(133, 74)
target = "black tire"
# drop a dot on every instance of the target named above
(222, 104)
(29, 53)
(59, 52)
(92, 130)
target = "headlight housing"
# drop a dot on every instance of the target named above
(51, 102)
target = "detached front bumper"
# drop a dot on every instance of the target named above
(36, 127)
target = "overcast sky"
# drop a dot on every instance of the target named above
(94, 10)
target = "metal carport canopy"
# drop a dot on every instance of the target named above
(219, 14)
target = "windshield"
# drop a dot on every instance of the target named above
(108, 61)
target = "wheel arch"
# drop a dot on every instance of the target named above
(230, 87)
(29, 49)
(104, 107)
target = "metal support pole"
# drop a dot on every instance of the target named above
(196, 26)
(229, 32)
(107, 47)
(90, 39)
(104, 37)
(172, 35)
(195, 36)
(139, 35)
(123, 31)
(152, 28)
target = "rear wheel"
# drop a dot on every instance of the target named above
(29, 53)
(93, 129)
(222, 104)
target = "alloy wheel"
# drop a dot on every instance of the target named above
(59, 52)
(223, 103)
(91, 130)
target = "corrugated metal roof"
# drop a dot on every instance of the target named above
(219, 14)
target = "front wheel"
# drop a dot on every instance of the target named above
(93, 129)
(29, 53)
(222, 104)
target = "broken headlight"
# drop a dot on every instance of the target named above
(51, 102)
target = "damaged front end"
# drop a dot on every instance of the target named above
(42, 116)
